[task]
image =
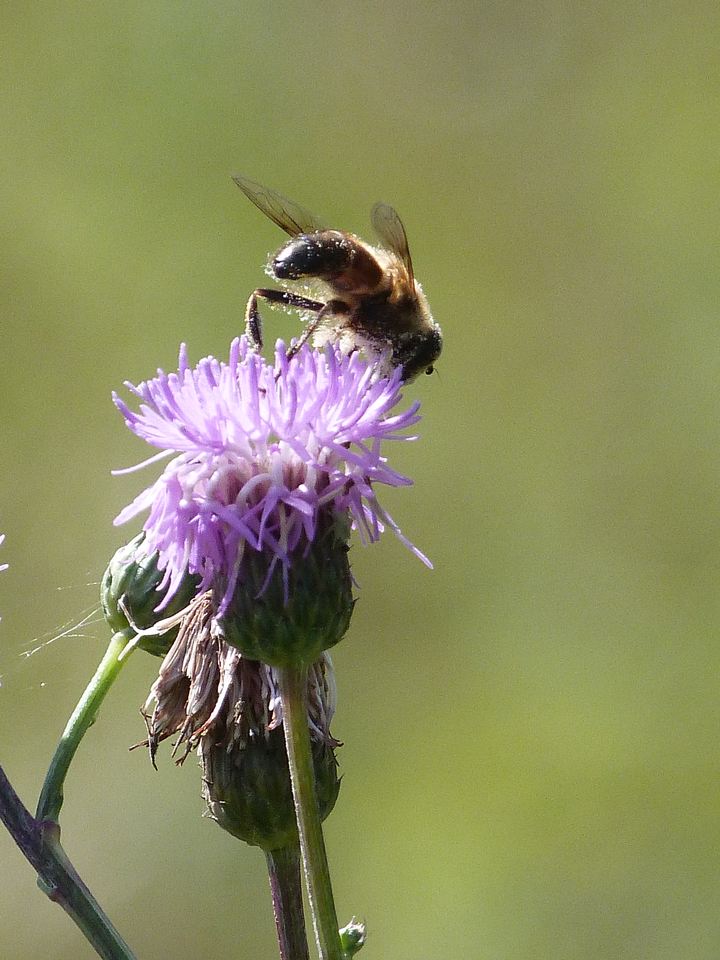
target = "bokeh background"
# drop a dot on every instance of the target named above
(530, 763)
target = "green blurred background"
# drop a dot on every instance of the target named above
(530, 763)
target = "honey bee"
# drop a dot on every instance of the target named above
(374, 302)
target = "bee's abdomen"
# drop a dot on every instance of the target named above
(330, 255)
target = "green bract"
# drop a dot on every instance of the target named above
(300, 611)
(248, 789)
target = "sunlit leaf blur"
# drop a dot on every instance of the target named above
(530, 761)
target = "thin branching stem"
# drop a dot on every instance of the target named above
(83, 717)
(40, 844)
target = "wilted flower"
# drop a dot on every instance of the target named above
(205, 684)
(229, 708)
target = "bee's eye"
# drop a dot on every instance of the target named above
(430, 370)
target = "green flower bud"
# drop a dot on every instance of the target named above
(248, 792)
(295, 614)
(353, 937)
(133, 577)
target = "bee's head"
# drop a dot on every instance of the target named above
(418, 353)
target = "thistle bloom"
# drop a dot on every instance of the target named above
(263, 458)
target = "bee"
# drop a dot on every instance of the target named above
(373, 303)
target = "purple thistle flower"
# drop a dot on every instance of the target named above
(260, 455)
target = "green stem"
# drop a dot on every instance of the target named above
(293, 691)
(286, 889)
(83, 717)
(40, 844)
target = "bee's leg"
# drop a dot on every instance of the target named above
(253, 323)
(289, 299)
(309, 329)
(334, 308)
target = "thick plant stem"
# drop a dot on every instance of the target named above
(293, 692)
(40, 844)
(83, 717)
(286, 889)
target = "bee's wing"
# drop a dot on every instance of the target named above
(289, 216)
(389, 227)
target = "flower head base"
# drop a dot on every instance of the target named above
(249, 793)
(266, 459)
(293, 614)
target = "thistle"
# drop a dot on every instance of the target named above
(270, 468)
